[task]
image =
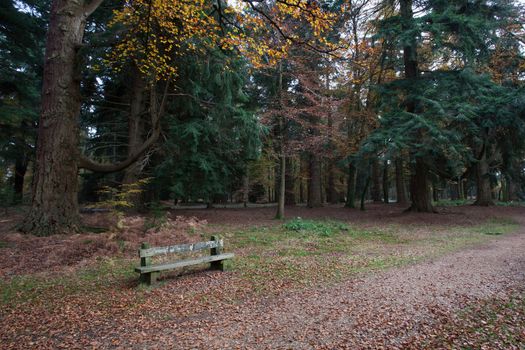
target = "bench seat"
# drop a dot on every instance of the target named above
(183, 263)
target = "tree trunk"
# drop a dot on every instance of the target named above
(363, 194)
(54, 206)
(401, 190)
(420, 188)
(290, 182)
(135, 135)
(135, 125)
(54, 202)
(484, 193)
(386, 183)
(351, 186)
(375, 190)
(20, 172)
(314, 185)
(282, 187)
(461, 192)
(245, 189)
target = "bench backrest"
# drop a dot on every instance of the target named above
(146, 252)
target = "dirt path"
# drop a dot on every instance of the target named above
(385, 310)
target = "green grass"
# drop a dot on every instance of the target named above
(294, 254)
(452, 203)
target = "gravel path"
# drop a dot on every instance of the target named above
(384, 310)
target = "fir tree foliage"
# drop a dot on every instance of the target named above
(211, 133)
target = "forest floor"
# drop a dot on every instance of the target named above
(327, 278)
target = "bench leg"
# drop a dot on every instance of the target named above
(149, 278)
(217, 265)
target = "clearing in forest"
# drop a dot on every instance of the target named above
(328, 278)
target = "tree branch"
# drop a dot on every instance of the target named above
(156, 113)
(91, 7)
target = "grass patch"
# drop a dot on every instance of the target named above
(321, 228)
(452, 203)
(295, 254)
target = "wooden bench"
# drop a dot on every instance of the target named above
(149, 272)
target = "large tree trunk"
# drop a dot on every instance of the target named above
(351, 186)
(314, 185)
(401, 190)
(136, 135)
(135, 125)
(375, 190)
(420, 188)
(54, 206)
(484, 191)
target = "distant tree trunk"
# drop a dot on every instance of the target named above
(386, 183)
(314, 186)
(461, 193)
(245, 189)
(484, 191)
(375, 190)
(282, 175)
(21, 164)
(420, 188)
(290, 182)
(401, 190)
(511, 189)
(435, 192)
(282, 187)
(301, 191)
(363, 194)
(332, 196)
(351, 186)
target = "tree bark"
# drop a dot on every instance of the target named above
(54, 202)
(245, 189)
(290, 182)
(21, 164)
(282, 188)
(54, 206)
(363, 194)
(420, 188)
(135, 125)
(461, 193)
(386, 183)
(314, 185)
(351, 186)
(401, 191)
(484, 191)
(375, 190)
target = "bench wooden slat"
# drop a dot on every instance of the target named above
(183, 263)
(181, 248)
